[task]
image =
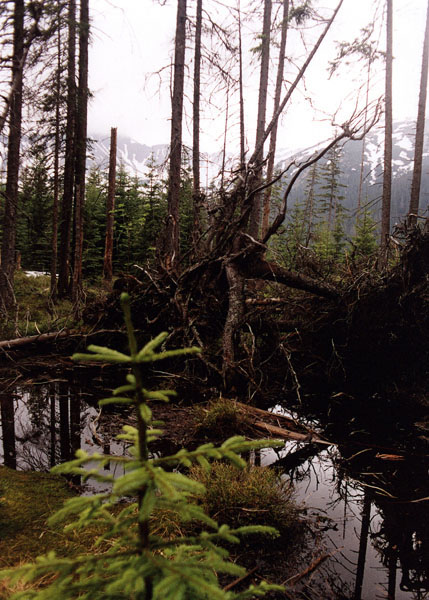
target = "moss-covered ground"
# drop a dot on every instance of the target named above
(26, 501)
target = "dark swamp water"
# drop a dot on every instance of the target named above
(371, 504)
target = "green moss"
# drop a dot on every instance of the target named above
(26, 501)
(220, 419)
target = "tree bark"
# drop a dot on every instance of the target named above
(69, 162)
(81, 143)
(171, 237)
(277, 96)
(255, 267)
(196, 191)
(234, 316)
(420, 131)
(255, 211)
(7, 267)
(240, 83)
(110, 209)
(56, 182)
(387, 175)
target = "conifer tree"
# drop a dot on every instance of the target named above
(136, 562)
(36, 197)
(364, 241)
(330, 196)
(310, 192)
(94, 224)
(330, 231)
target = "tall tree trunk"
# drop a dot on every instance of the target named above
(110, 209)
(277, 96)
(225, 137)
(81, 142)
(196, 191)
(255, 212)
(420, 131)
(54, 244)
(362, 157)
(387, 175)
(259, 146)
(7, 267)
(69, 162)
(171, 236)
(242, 128)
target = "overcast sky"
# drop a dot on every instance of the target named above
(131, 39)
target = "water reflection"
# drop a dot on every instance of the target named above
(44, 425)
(376, 519)
(372, 510)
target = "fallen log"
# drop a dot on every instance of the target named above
(270, 416)
(31, 339)
(285, 434)
(41, 338)
(255, 267)
(283, 428)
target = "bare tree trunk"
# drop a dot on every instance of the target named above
(242, 128)
(255, 212)
(110, 209)
(225, 136)
(7, 267)
(362, 158)
(54, 244)
(81, 142)
(196, 192)
(69, 162)
(234, 316)
(269, 128)
(420, 131)
(277, 96)
(387, 175)
(171, 235)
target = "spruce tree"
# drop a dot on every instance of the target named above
(131, 559)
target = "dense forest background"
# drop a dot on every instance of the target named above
(86, 210)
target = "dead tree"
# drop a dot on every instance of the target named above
(110, 209)
(7, 267)
(387, 164)
(277, 96)
(255, 210)
(170, 250)
(420, 131)
(81, 143)
(196, 191)
(70, 157)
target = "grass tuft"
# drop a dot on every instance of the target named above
(251, 496)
